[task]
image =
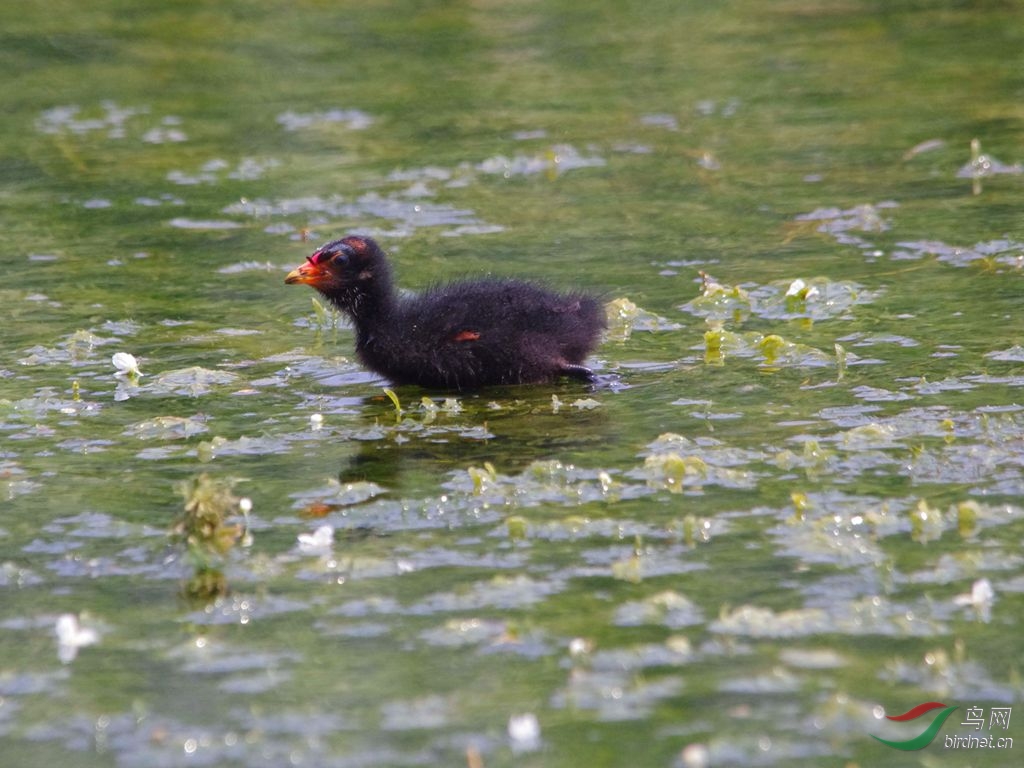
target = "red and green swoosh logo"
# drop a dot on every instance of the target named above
(925, 738)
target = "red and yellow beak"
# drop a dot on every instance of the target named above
(309, 273)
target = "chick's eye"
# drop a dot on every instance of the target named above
(340, 258)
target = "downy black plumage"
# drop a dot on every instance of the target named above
(459, 336)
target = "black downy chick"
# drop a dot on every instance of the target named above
(459, 336)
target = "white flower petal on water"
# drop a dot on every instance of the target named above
(125, 364)
(980, 596)
(695, 756)
(524, 732)
(795, 287)
(319, 541)
(71, 636)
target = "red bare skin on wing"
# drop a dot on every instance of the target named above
(466, 336)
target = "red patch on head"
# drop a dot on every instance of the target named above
(466, 336)
(357, 244)
(351, 245)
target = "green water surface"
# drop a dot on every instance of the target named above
(788, 509)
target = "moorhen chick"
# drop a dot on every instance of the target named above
(459, 336)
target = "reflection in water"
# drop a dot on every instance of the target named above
(428, 443)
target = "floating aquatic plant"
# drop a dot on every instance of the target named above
(800, 505)
(321, 313)
(625, 317)
(483, 478)
(696, 529)
(840, 361)
(718, 301)
(630, 568)
(190, 382)
(926, 523)
(334, 496)
(168, 427)
(817, 298)
(776, 351)
(518, 527)
(450, 406)
(773, 346)
(206, 532)
(673, 472)
(668, 608)
(967, 513)
(394, 401)
(714, 341)
(755, 621)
